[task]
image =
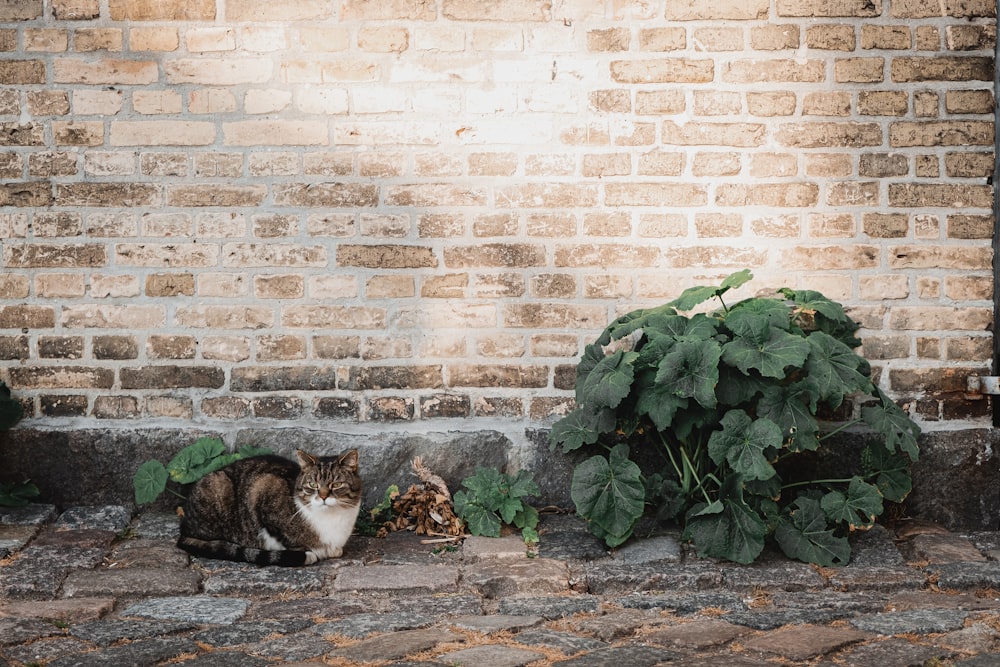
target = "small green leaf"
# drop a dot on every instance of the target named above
(521, 484)
(478, 519)
(609, 491)
(609, 381)
(581, 427)
(803, 534)
(858, 508)
(738, 279)
(149, 481)
(742, 442)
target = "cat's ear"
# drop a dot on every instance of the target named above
(350, 459)
(306, 460)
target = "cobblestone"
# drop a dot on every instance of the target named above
(83, 588)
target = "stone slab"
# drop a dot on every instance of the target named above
(358, 626)
(144, 552)
(145, 652)
(803, 642)
(38, 572)
(264, 581)
(397, 578)
(497, 579)
(918, 621)
(291, 648)
(944, 548)
(394, 646)
(46, 650)
(550, 607)
(493, 623)
(895, 653)
(113, 518)
(77, 609)
(252, 632)
(489, 655)
(196, 609)
(131, 582)
(110, 631)
(657, 549)
(633, 656)
(967, 575)
(476, 548)
(566, 642)
(698, 634)
(33, 514)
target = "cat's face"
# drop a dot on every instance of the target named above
(328, 481)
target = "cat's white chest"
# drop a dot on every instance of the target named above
(333, 524)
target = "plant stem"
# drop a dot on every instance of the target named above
(690, 469)
(817, 481)
(840, 428)
(177, 494)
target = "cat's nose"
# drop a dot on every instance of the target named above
(324, 492)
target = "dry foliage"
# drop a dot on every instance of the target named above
(425, 508)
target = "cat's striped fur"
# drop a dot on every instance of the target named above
(268, 510)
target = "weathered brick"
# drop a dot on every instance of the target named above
(666, 70)
(934, 257)
(495, 255)
(59, 405)
(111, 195)
(60, 347)
(60, 285)
(27, 194)
(970, 37)
(913, 9)
(770, 194)
(968, 101)
(886, 225)
(484, 10)
(21, 72)
(498, 375)
(333, 317)
(968, 287)
(166, 255)
(961, 226)
(104, 316)
(326, 195)
(283, 378)
(561, 316)
(655, 194)
(23, 10)
(832, 37)
(822, 135)
(435, 194)
(22, 134)
(774, 71)
(216, 194)
(945, 318)
(333, 407)
(386, 256)
(941, 133)
(115, 347)
(883, 103)
(831, 257)
(98, 39)
(395, 377)
(37, 255)
(693, 10)
(914, 195)
(175, 407)
(942, 68)
(61, 377)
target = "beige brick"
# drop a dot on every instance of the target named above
(711, 134)
(820, 135)
(832, 37)
(714, 256)
(143, 10)
(718, 39)
(865, 193)
(824, 225)
(942, 68)
(954, 8)
(694, 10)
(56, 224)
(60, 285)
(156, 101)
(968, 287)
(831, 257)
(98, 39)
(606, 256)
(218, 72)
(662, 225)
(912, 195)
(210, 39)
(553, 195)
(166, 255)
(886, 225)
(968, 101)
(775, 37)
(662, 39)
(386, 256)
(776, 226)
(275, 133)
(885, 37)
(716, 103)
(826, 104)
(153, 39)
(716, 164)
(105, 72)
(939, 318)
(941, 133)
(774, 71)
(970, 37)
(768, 194)
(718, 225)
(211, 101)
(885, 286)
(859, 70)
(101, 316)
(668, 70)
(659, 102)
(655, 194)
(969, 165)
(161, 133)
(46, 40)
(771, 103)
(940, 257)
(292, 10)
(883, 102)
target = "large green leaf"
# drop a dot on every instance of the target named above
(770, 357)
(196, 460)
(581, 427)
(736, 387)
(834, 367)
(891, 471)
(894, 425)
(726, 528)
(802, 534)
(592, 355)
(816, 302)
(149, 481)
(792, 407)
(610, 380)
(691, 370)
(742, 442)
(774, 311)
(609, 492)
(858, 508)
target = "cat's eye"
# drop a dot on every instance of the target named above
(312, 486)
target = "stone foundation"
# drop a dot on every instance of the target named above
(956, 482)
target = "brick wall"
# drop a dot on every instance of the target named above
(328, 212)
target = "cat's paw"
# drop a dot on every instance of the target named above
(311, 558)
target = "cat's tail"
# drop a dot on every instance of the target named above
(228, 551)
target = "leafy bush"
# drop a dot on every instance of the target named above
(494, 498)
(201, 457)
(730, 403)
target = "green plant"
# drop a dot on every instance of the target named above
(201, 457)
(730, 404)
(371, 520)
(13, 494)
(494, 498)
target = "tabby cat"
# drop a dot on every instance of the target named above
(270, 511)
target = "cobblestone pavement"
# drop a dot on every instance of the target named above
(98, 586)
